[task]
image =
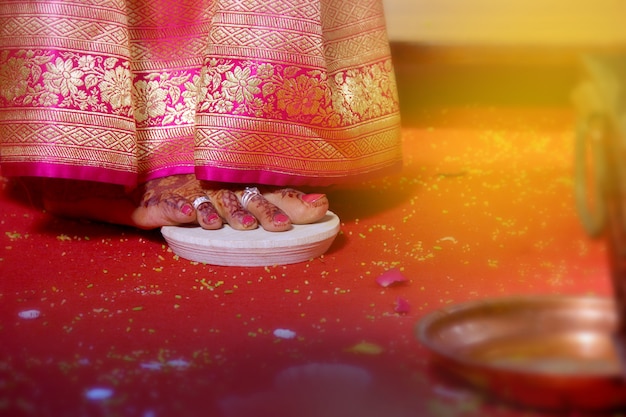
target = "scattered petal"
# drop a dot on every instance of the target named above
(390, 277)
(284, 333)
(155, 366)
(178, 363)
(29, 314)
(99, 393)
(366, 348)
(402, 305)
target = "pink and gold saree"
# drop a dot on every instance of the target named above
(283, 92)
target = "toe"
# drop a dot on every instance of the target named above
(300, 207)
(208, 217)
(173, 211)
(267, 214)
(164, 202)
(229, 208)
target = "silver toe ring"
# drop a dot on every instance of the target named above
(200, 200)
(248, 194)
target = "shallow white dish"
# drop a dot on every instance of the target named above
(229, 247)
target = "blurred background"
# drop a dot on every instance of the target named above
(507, 22)
(497, 52)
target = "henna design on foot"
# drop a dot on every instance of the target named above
(228, 206)
(267, 212)
(300, 207)
(207, 215)
(168, 201)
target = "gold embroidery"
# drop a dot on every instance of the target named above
(246, 82)
(115, 86)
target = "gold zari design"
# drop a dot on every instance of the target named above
(302, 91)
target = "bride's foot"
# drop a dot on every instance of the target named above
(181, 199)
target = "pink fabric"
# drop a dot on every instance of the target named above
(286, 92)
(43, 169)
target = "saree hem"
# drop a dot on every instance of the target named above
(85, 173)
(231, 176)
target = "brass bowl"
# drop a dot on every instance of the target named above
(549, 352)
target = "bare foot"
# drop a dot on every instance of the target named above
(182, 199)
(301, 208)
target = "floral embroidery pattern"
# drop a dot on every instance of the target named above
(69, 80)
(133, 90)
(114, 87)
(33, 78)
(300, 95)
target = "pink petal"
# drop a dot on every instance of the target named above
(390, 277)
(402, 305)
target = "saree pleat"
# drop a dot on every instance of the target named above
(285, 92)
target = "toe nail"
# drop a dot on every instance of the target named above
(187, 209)
(311, 198)
(212, 218)
(281, 218)
(248, 220)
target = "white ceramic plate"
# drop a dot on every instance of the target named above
(229, 247)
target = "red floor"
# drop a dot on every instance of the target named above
(484, 208)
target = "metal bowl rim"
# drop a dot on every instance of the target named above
(429, 319)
